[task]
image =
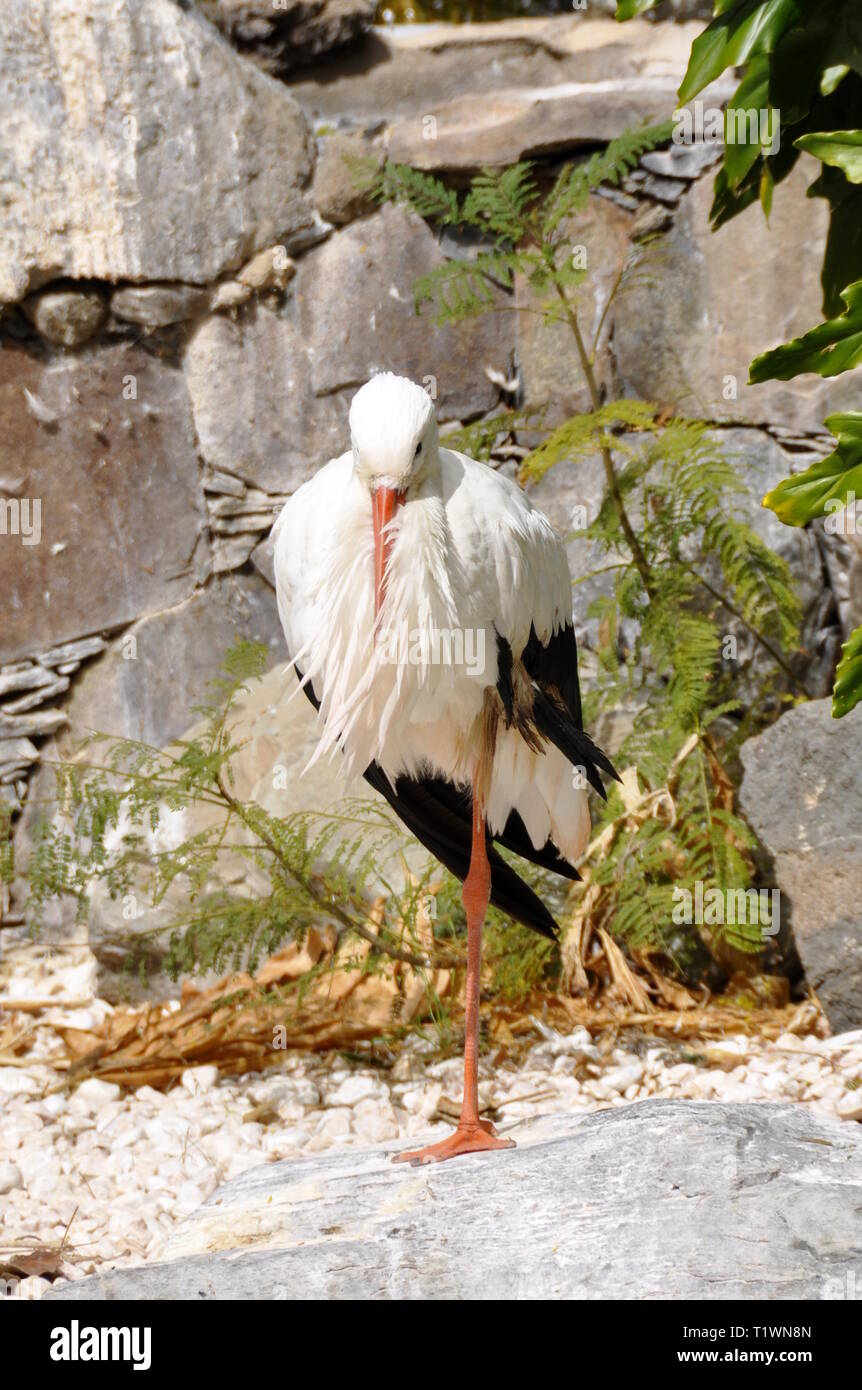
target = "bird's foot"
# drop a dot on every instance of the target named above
(466, 1139)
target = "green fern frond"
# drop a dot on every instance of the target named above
(608, 166)
(499, 200)
(462, 289)
(401, 183)
(583, 434)
(478, 439)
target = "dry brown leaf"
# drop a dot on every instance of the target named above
(625, 983)
(671, 992)
(296, 960)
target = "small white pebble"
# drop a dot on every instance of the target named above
(620, 1078)
(96, 1092)
(849, 1107)
(15, 1081)
(353, 1089)
(32, 1288)
(199, 1079)
(10, 1178)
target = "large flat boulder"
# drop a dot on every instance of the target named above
(803, 796)
(658, 1200)
(415, 69)
(101, 443)
(137, 145)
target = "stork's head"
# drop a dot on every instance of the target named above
(393, 433)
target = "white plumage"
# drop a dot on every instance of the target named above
(468, 556)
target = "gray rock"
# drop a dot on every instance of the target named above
(336, 191)
(262, 557)
(240, 525)
(406, 71)
(286, 36)
(151, 697)
(683, 161)
(550, 371)
(692, 347)
(663, 190)
(117, 484)
(16, 753)
(669, 1200)
(73, 651)
(294, 366)
(198, 158)
(355, 294)
(155, 306)
(33, 724)
(58, 686)
(270, 429)
(231, 552)
(66, 317)
(468, 135)
(223, 484)
(271, 269)
(256, 508)
(803, 796)
(148, 681)
(27, 677)
(571, 494)
(761, 464)
(145, 686)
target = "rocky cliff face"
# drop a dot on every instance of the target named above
(191, 289)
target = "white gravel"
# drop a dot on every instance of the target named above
(113, 1171)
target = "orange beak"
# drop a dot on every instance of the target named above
(384, 503)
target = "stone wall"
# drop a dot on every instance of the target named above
(192, 289)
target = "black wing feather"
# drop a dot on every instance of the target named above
(439, 814)
(441, 819)
(557, 711)
(445, 827)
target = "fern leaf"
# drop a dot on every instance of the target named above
(607, 166)
(466, 288)
(583, 434)
(499, 200)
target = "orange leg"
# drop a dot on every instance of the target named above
(472, 1134)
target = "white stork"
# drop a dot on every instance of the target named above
(427, 608)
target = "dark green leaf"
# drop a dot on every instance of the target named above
(742, 118)
(832, 347)
(748, 28)
(826, 485)
(840, 148)
(848, 677)
(426, 195)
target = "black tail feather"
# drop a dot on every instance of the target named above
(442, 822)
(556, 726)
(441, 819)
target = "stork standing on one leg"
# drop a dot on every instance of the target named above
(427, 608)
